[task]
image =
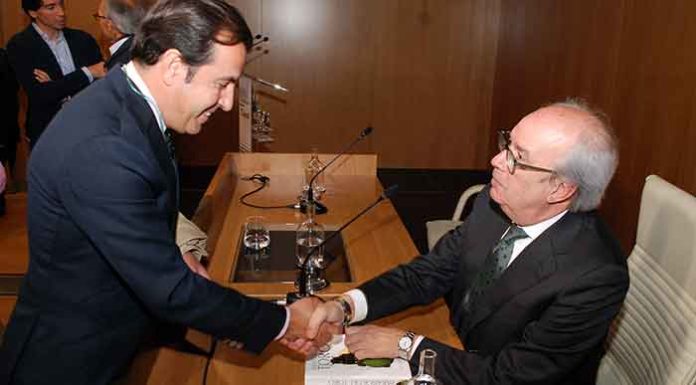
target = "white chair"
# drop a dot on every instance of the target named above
(436, 229)
(653, 340)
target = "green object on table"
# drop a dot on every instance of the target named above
(349, 359)
(376, 362)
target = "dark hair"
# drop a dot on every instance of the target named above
(31, 5)
(191, 27)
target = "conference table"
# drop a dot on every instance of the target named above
(374, 243)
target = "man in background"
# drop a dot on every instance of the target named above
(118, 21)
(532, 278)
(102, 209)
(52, 62)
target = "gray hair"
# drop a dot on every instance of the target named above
(592, 161)
(126, 14)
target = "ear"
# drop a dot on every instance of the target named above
(173, 67)
(562, 191)
(32, 15)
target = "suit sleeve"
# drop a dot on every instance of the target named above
(552, 346)
(420, 282)
(114, 193)
(23, 56)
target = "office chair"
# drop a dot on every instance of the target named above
(437, 228)
(653, 339)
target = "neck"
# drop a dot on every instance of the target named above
(51, 32)
(153, 81)
(532, 218)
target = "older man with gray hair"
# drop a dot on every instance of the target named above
(119, 20)
(532, 278)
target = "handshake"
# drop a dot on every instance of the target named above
(313, 323)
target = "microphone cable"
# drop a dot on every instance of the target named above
(263, 179)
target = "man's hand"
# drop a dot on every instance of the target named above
(195, 266)
(41, 76)
(328, 313)
(294, 337)
(373, 341)
(97, 70)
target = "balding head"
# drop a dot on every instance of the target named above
(559, 157)
(592, 158)
(126, 15)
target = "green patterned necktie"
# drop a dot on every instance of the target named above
(495, 264)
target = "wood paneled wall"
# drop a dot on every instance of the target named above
(634, 59)
(419, 71)
(437, 77)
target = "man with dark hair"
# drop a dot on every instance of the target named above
(102, 211)
(52, 62)
(532, 278)
(118, 20)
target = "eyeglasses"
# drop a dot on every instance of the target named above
(97, 16)
(511, 162)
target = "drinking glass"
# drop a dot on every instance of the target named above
(256, 234)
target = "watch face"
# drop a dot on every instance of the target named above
(405, 343)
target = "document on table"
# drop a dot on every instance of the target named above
(320, 370)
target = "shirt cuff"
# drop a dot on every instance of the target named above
(285, 326)
(359, 303)
(414, 348)
(88, 74)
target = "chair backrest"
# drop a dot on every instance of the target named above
(653, 340)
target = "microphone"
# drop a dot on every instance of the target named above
(321, 208)
(304, 276)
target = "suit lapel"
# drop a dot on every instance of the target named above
(147, 123)
(536, 262)
(532, 266)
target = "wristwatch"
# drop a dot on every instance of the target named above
(347, 310)
(405, 344)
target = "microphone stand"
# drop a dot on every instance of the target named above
(319, 207)
(307, 271)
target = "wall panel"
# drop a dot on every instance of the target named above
(632, 58)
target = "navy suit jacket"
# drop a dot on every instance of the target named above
(543, 321)
(103, 261)
(28, 51)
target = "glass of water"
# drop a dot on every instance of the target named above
(256, 234)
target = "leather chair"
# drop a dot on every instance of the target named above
(437, 228)
(653, 339)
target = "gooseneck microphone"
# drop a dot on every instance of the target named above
(304, 276)
(319, 207)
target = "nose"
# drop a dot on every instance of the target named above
(227, 97)
(498, 160)
(60, 10)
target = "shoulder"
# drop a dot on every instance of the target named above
(25, 36)
(586, 241)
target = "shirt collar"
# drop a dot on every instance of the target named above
(45, 36)
(134, 76)
(535, 230)
(114, 47)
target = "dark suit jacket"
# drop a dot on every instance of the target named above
(121, 56)
(9, 130)
(28, 51)
(103, 262)
(542, 322)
